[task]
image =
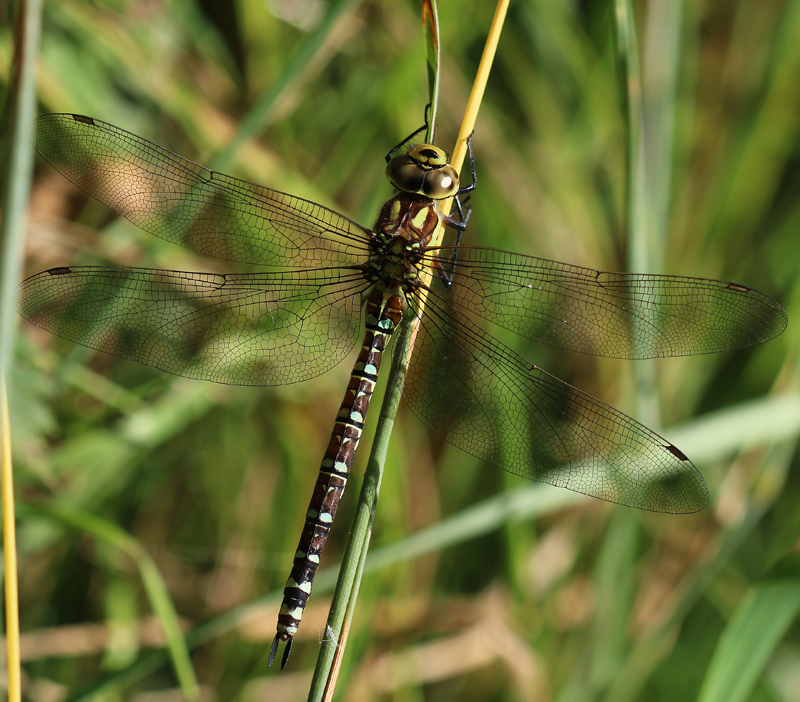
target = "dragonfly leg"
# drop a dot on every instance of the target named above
(464, 213)
(410, 136)
(474, 183)
(460, 223)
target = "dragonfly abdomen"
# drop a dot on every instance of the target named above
(384, 309)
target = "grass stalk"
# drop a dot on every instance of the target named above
(752, 634)
(642, 256)
(13, 666)
(19, 112)
(430, 21)
(613, 574)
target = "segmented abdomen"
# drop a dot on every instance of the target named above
(383, 312)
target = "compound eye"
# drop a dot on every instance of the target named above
(405, 174)
(440, 183)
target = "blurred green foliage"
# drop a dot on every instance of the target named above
(578, 601)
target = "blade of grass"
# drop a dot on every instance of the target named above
(641, 251)
(19, 112)
(721, 434)
(155, 588)
(614, 571)
(9, 553)
(659, 107)
(614, 579)
(751, 635)
(430, 20)
(653, 646)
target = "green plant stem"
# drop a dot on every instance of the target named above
(642, 256)
(661, 63)
(752, 634)
(352, 567)
(614, 569)
(18, 114)
(430, 19)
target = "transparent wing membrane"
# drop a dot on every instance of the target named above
(202, 210)
(618, 315)
(255, 329)
(485, 399)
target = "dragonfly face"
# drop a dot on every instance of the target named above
(304, 314)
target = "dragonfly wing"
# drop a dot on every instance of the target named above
(205, 211)
(255, 329)
(490, 402)
(619, 315)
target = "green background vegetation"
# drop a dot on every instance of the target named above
(507, 591)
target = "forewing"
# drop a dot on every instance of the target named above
(255, 329)
(619, 315)
(205, 211)
(490, 402)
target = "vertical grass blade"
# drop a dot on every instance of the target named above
(642, 256)
(662, 43)
(430, 21)
(613, 574)
(640, 250)
(18, 115)
(13, 668)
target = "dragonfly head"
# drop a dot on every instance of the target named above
(423, 170)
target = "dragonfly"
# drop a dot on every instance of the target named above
(323, 278)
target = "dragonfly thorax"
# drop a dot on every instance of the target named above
(404, 229)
